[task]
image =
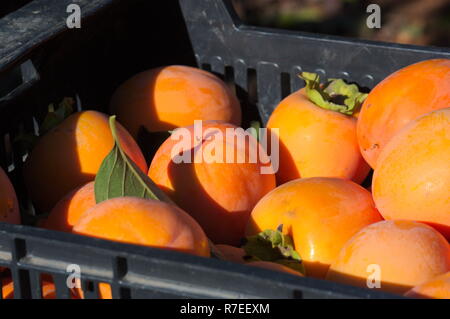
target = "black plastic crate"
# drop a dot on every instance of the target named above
(8, 6)
(42, 61)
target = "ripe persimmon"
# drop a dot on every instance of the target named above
(219, 193)
(70, 155)
(412, 178)
(436, 288)
(398, 254)
(144, 222)
(397, 100)
(9, 206)
(69, 209)
(275, 267)
(320, 214)
(165, 98)
(315, 141)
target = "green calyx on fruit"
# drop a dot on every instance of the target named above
(274, 246)
(335, 95)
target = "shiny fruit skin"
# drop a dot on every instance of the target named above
(70, 155)
(219, 195)
(315, 142)
(412, 180)
(320, 214)
(70, 209)
(397, 100)
(436, 288)
(406, 254)
(144, 222)
(165, 98)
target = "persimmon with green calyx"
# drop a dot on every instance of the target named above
(319, 214)
(269, 246)
(70, 155)
(397, 100)
(316, 131)
(336, 95)
(9, 206)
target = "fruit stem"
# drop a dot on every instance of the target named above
(335, 95)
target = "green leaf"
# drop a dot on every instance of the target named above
(274, 246)
(336, 95)
(119, 176)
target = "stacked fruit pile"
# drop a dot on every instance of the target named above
(292, 205)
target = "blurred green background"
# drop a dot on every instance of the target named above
(421, 22)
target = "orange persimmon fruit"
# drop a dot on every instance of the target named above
(436, 288)
(69, 209)
(70, 155)
(165, 98)
(320, 214)
(399, 254)
(315, 141)
(213, 177)
(412, 179)
(144, 222)
(397, 100)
